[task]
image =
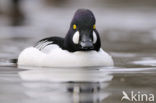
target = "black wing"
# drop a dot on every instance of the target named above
(48, 41)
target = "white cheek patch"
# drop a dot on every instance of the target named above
(76, 37)
(94, 37)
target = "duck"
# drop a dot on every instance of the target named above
(81, 47)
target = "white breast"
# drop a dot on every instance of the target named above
(53, 56)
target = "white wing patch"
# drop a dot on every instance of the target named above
(76, 37)
(94, 37)
(41, 45)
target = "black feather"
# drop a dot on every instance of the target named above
(48, 41)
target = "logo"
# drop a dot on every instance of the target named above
(137, 97)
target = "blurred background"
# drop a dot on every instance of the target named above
(128, 32)
(124, 25)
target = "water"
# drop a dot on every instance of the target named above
(128, 35)
(134, 70)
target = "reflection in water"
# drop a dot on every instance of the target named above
(65, 92)
(79, 85)
(74, 85)
(65, 75)
(41, 86)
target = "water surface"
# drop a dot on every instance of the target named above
(133, 71)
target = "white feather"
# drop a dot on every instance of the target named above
(53, 56)
(94, 37)
(43, 44)
(76, 37)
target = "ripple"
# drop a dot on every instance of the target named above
(7, 62)
(146, 61)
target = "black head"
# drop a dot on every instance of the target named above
(82, 35)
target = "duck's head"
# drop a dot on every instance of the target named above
(82, 35)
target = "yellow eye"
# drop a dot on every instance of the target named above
(74, 27)
(94, 27)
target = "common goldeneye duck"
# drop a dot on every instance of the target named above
(81, 46)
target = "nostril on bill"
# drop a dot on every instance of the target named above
(86, 45)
